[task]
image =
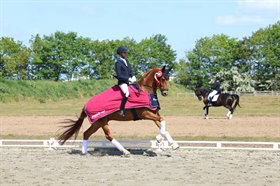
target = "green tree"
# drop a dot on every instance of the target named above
(56, 55)
(265, 44)
(154, 52)
(14, 59)
(209, 57)
(234, 80)
(182, 73)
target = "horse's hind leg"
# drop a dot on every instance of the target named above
(110, 137)
(92, 129)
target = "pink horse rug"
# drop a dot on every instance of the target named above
(109, 101)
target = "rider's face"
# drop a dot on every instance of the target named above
(124, 55)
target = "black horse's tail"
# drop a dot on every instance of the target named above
(72, 129)
(236, 98)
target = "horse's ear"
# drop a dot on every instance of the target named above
(170, 68)
(163, 68)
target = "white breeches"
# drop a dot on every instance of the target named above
(213, 93)
(124, 88)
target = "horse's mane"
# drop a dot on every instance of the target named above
(203, 90)
(149, 72)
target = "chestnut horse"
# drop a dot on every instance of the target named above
(224, 99)
(154, 79)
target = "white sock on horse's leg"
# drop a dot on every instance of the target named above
(162, 127)
(85, 147)
(165, 133)
(228, 114)
(168, 137)
(118, 145)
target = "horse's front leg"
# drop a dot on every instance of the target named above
(206, 111)
(230, 112)
(160, 122)
(110, 137)
(164, 133)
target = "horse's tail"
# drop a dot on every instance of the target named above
(72, 129)
(236, 97)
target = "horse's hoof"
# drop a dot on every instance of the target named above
(126, 153)
(84, 152)
(175, 146)
(206, 117)
(230, 116)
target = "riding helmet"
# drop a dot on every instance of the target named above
(122, 49)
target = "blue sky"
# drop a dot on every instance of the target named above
(181, 21)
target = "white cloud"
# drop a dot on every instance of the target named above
(271, 5)
(252, 12)
(242, 19)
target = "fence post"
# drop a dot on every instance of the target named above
(275, 146)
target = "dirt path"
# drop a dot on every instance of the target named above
(182, 167)
(178, 126)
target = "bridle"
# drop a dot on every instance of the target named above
(158, 75)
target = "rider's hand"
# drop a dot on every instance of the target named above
(133, 79)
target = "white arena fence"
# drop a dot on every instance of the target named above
(142, 144)
(255, 93)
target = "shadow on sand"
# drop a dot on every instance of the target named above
(115, 152)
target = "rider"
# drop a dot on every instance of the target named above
(215, 89)
(124, 75)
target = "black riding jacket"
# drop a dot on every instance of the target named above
(123, 72)
(216, 86)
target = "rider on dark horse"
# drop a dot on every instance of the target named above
(124, 75)
(215, 89)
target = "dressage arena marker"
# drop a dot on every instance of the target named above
(143, 144)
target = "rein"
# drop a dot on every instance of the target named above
(148, 86)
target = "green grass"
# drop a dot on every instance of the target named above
(45, 98)
(170, 106)
(44, 91)
(250, 106)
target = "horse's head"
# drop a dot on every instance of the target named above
(200, 93)
(161, 78)
(154, 79)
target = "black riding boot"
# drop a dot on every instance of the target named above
(210, 102)
(122, 107)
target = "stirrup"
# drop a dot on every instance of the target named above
(121, 113)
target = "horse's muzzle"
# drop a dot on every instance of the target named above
(199, 98)
(164, 92)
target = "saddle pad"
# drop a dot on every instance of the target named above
(109, 101)
(215, 98)
(154, 101)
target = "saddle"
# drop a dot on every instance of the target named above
(215, 97)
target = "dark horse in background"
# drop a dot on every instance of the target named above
(224, 99)
(150, 82)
